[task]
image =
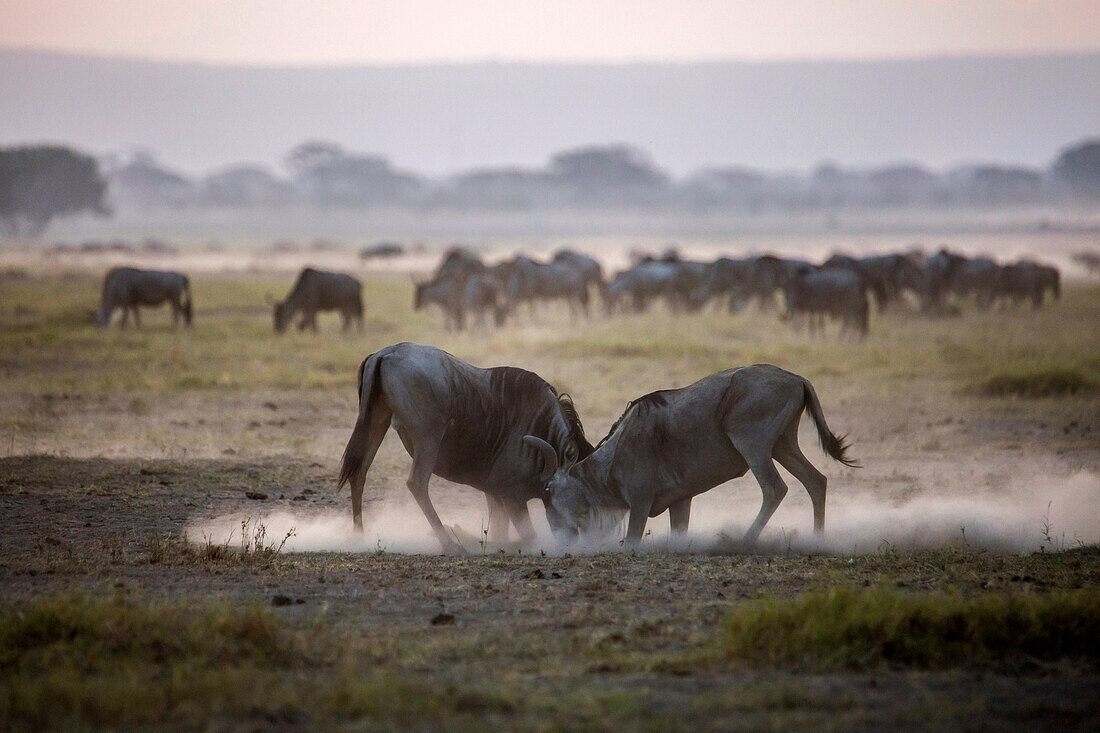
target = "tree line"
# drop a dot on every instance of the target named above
(38, 183)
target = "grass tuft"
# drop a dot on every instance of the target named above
(1039, 383)
(846, 628)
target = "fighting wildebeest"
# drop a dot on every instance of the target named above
(838, 293)
(128, 288)
(465, 424)
(669, 446)
(316, 290)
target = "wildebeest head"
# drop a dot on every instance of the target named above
(571, 509)
(279, 313)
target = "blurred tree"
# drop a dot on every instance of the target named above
(40, 182)
(1079, 167)
(328, 174)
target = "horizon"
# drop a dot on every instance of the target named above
(354, 32)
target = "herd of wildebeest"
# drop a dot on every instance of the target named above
(466, 289)
(508, 433)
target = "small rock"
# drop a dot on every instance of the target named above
(280, 600)
(308, 492)
(255, 495)
(299, 601)
(229, 452)
(532, 574)
(271, 406)
(443, 619)
(299, 497)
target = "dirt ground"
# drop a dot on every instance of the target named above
(130, 457)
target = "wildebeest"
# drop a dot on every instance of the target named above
(977, 276)
(465, 424)
(530, 282)
(835, 292)
(316, 290)
(939, 275)
(129, 288)
(459, 263)
(637, 287)
(447, 293)
(1027, 280)
(884, 276)
(481, 298)
(672, 445)
(589, 269)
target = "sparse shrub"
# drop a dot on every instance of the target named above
(1039, 383)
(850, 628)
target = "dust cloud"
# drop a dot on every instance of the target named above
(1034, 515)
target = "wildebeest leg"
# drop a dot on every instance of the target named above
(137, 317)
(771, 486)
(790, 456)
(678, 516)
(521, 518)
(426, 452)
(345, 322)
(125, 317)
(174, 304)
(379, 423)
(498, 520)
(639, 513)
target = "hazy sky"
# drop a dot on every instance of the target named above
(402, 31)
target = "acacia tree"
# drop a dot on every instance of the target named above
(40, 182)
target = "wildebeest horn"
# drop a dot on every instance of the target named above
(549, 456)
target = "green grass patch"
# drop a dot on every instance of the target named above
(846, 628)
(1038, 383)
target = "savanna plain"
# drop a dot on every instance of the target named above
(174, 551)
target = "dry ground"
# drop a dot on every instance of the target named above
(119, 442)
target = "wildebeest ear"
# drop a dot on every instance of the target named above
(571, 452)
(549, 456)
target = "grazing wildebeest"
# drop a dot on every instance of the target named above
(446, 292)
(481, 298)
(640, 285)
(316, 290)
(977, 276)
(1028, 280)
(465, 424)
(839, 293)
(672, 445)
(884, 276)
(128, 288)
(588, 268)
(529, 281)
(939, 275)
(771, 274)
(459, 263)
(728, 277)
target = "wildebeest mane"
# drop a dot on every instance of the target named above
(569, 412)
(526, 393)
(653, 399)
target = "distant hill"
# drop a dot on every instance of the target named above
(444, 118)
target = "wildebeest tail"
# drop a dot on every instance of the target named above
(836, 447)
(187, 307)
(369, 383)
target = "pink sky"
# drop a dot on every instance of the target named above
(320, 32)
